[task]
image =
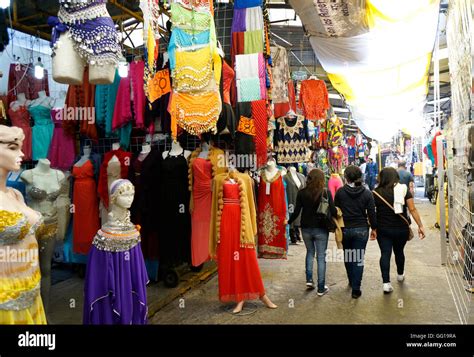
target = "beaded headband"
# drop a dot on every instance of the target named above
(116, 185)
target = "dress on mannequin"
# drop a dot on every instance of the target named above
(175, 223)
(43, 129)
(116, 277)
(293, 185)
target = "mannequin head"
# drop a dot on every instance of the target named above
(11, 142)
(122, 192)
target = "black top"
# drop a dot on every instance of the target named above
(386, 217)
(305, 202)
(356, 204)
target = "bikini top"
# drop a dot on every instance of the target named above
(14, 226)
(38, 194)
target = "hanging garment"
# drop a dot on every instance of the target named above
(20, 299)
(272, 240)
(86, 208)
(291, 193)
(244, 137)
(253, 18)
(181, 39)
(248, 89)
(21, 79)
(292, 140)
(145, 176)
(201, 213)
(190, 20)
(249, 66)
(314, 99)
(253, 42)
(281, 75)
(193, 70)
(42, 131)
(237, 45)
(239, 279)
(62, 148)
(80, 99)
(21, 119)
(242, 4)
(106, 96)
(137, 70)
(175, 220)
(116, 279)
(125, 161)
(334, 184)
(259, 114)
(123, 110)
(335, 130)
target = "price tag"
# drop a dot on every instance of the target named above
(267, 188)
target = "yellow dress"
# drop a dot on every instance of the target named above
(20, 277)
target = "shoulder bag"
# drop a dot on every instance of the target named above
(410, 230)
(325, 212)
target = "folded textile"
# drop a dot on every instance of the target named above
(399, 193)
(239, 20)
(250, 66)
(253, 42)
(253, 18)
(248, 89)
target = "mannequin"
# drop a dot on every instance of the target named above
(271, 170)
(116, 256)
(176, 149)
(43, 185)
(204, 154)
(18, 225)
(77, 42)
(20, 101)
(43, 100)
(295, 177)
(294, 183)
(85, 157)
(146, 148)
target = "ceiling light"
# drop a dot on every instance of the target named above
(123, 68)
(4, 4)
(39, 69)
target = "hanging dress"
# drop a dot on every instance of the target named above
(62, 149)
(239, 279)
(42, 131)
(201, 215)
(175, 223)
(21, 119)
(272, 240)
(86, 208)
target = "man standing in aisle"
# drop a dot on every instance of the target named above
(371, 172)
(406, 177)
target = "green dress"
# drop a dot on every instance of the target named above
(42, 131)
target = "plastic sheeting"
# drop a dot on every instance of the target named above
(329, 18)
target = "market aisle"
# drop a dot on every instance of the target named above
(424, 297)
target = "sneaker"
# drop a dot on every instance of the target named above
(356, 294)
(324, 292)
(310, 285)
(400, 278)
(387, 288)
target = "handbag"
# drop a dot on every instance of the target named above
(324, 211)
(411, 234)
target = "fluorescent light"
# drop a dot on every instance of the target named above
(334, 96)
(341, 110)
(123, 68)
(39, 69)
(445, 99)
(4, 4)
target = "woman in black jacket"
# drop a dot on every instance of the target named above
(394, 228)
(313, 227)
(357, 204)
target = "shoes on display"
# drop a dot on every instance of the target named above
(387, 288)
(401, 278)
(324, 292)
(310, 285)
(356, 294)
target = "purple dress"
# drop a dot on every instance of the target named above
(116, 278)
(62, 148)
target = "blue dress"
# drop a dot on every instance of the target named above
(42, 131)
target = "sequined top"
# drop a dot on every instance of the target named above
(116, 239)
(14, 226)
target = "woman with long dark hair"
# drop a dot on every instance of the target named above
(357, 204)
(392, 200)
(313, 226)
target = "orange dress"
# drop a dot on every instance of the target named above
(201, 215)
(239, 279)
(86, 208)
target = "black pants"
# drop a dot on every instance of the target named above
(392, 239)
(295, 234)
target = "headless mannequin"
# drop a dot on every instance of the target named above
(49, 180)
(146, 149)
(176, 150)
(271, 170)
(295, 177)
(20, 101)
(43, 100)
(84, 158)
(204, 154)
(68, 66)
(60, 101)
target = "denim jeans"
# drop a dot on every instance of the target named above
(316, 241)
(392, 239)
(354, 242)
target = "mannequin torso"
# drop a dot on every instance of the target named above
(85, 157)
(19, 102)
(176, 150)
(42, 99)
(271, 170)
(204, 154)
(295, 177)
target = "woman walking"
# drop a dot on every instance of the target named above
(357, 204)
(391, 201)
(314, 228)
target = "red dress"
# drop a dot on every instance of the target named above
(86, 208)
(271, 218)
(21, 119)
(239, 279)
(201, 215)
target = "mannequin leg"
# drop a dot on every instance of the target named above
(101, 74)
(266, 300)
(46, 250)
(68, 66)
(238, 308)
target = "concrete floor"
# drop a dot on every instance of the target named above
(424, 297)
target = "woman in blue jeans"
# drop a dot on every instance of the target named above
(357, 204)
(313, 227)
(393, 230)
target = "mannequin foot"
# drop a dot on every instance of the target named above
(238, 308)
(266, 300)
